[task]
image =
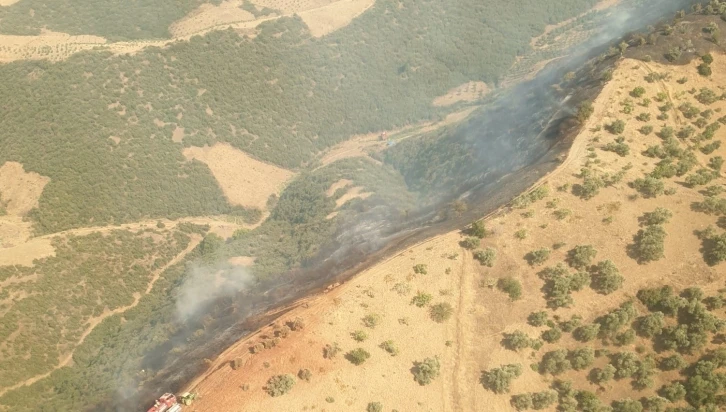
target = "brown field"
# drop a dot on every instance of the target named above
(467, 92)
(329, 18)
(208, 15)
(244, 180)
(469, 342)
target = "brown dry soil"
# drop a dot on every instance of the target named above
(244, 180)
(469, 342)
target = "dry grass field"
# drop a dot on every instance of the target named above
(376, 306)
(244, 180)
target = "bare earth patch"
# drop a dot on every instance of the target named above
(338, 185)
(327, 19)
(19, 193)
(209, 15)
(245, 181)
(246, 261)
(467, 92)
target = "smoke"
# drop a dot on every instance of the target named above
(205, 283)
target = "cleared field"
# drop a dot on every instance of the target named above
(244, 180)
(467, 92)
(327, 19)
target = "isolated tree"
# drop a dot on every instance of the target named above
(538, 257)
(510, 286)
(516, 340)
(441, 312)
(426, 371)
(587, 333)
(606, 278)
(537, 318)
(279, 385)
(649, 244)
(521, 402)
(581, 358)
(673, 391)
(358, 356)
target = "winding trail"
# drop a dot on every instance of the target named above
(93, 322)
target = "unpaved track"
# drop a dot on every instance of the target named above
(93, 322)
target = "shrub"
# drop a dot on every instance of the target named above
(585, 111)
(637, 92)
(441, 312)
(617, 127)
(602, 375)
(562, 214)
(672, 363)
(538, 257)
(625, 338)
(390, 347)
(707, 58)
(359, 335)
(606, 278)
(621, 149)
(581, 256)
(478, 229)
(521, 402)
(358, 356)
(581, 358)
(704, 69)
(586, 333)
(498, 380)
(510, 286)
(649, 186)
(659, 216)
(555, 362)
(305, 374)
(654, 403)
(421, 299)
(402, 288)
(711, 147)
(543, 400)
(707, 96)
(643, 117)
(646, 130)
(650, 325)
(279, 385)
(330, 351)
(625, 363)
(537, 318)
(627, 405)
(648, 246)
(661, 299)
(486, 257)
(673, 391)
(516, 341)
(552, 335)
(371, 320)
(420, 269)
(374, 407)
(426, 371)
(470, 243)
(521, 234)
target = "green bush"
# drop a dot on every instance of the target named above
(486, 257)
(627, 405)
(421, 299)
(421, 269)
(555, 362)
(359, 335)
(470, 243)
(441, 312)
(649, 186)
(279, 385)
(521, 402)
(672, 363)
(305, 374)
(581, 358)
(498, 380)
(649, 244)
(617, 127)
(478, 229)
(581, 256)
(358, 356)
(538, 257)
(637, 92)
(374, 407)
(426, 371)
(372, 320)
(511, 287)
(537, 318)
(516, 341)
(552, 335)
(606, 278)
(650, 325)
(390, 347)
(673, 391)
(602, 375)
(659, 216)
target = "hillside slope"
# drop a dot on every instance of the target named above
(606, 211)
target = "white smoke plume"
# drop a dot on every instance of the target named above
(206, 282)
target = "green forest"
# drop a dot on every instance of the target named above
(46, 310)
(282, 97)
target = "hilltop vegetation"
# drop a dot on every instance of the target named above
(282, 97)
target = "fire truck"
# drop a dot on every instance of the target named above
(168, 402)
